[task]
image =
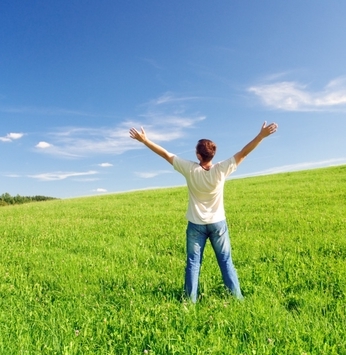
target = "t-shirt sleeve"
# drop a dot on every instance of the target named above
(228, 166)
(181, 165)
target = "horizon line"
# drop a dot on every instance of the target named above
(244, 176)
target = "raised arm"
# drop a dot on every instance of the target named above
(265, 132)
(142, 137)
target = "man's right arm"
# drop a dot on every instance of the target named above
(265, 132)
(142, 137)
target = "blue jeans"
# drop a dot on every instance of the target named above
(196, 238)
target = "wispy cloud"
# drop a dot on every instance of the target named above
(168, 117)
(294, 96)
(296, 167)
(164, 120)
(13, 175)
(61, 175)
(81, 142)
(49, 148)
(105, 165)
(86, 179)
(47, 111)
(100, 190)
(11, 137)
(169, 98)
(151, 174)
(152, 62)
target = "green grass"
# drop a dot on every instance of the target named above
(104, 275)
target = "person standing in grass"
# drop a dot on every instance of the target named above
(205, 212)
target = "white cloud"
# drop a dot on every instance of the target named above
(100, 190)
(15, 135)
(151, 174)
(293, 96)
(105, 165)
(11, 136)
(5, 139)
(43, 145)
(61, 175)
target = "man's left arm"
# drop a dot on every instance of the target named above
(265, 132)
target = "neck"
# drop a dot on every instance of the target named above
(206, 166)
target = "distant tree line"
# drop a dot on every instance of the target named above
(6, 199)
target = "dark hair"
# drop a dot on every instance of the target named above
(206, 149)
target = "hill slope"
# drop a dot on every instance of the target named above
(103, 275)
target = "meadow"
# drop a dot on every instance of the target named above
(104, 275)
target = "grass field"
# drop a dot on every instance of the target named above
(104, 275)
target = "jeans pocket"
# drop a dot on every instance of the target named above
(193, 230)
(220, 228)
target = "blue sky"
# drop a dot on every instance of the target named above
(76, 75)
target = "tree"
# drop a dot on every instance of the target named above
(7, 199)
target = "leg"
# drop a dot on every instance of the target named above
(195, 242)
(219, 238)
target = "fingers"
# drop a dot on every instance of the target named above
(133, 133)
(272, 127)
(268, 130)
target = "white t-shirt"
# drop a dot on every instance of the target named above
(205, 189)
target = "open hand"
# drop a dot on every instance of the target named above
(268, 130)
(139, 136)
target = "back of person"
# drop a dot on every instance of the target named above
(205, 189)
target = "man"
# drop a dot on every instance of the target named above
(205, 213)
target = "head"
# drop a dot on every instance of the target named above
(205, 150)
